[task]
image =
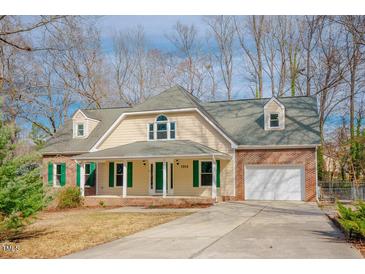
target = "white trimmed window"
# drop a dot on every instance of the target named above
(119, 174)
(57, 175)
(274, 120)
(206, 173)
(80, 130)
(162, 129)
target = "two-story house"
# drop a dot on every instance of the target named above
(175, 146)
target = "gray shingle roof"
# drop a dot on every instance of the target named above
(150, 149)
(63, 143)
(244, 121)
(241, 120)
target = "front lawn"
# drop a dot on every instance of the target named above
(56, 234)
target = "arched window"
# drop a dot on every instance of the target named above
(161, 118)
(161, 129)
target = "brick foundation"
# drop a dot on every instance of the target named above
(297, 156)
(147, 201)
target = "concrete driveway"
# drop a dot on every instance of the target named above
(236, 230)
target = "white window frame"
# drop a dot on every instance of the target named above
(86, 173)
(168, 130)
(115, 174)
(269, 126)
(55, 175)
(200, 173)
(77, 130)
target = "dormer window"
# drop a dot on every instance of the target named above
(82, 125)
(274, 115)
(274, 120)
(80, 130)
(161, 129)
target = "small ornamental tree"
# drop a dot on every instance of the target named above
(22, 193)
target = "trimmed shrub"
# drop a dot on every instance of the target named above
(352, 221)
(69, 197)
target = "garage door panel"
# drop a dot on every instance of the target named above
(274, 183)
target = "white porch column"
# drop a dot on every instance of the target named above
(214, 179)
(125, 179)
(164, 183)
(82, 178)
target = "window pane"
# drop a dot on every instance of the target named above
(162, 126)
(80, 129)
(172, 134)
(151, 127)
(162, 135)
(58, 169)
(274, 120)
(119, 168)
(119, 181)
(206, 179)
(58, 180)
(150, 135)
(172, 126)
(274, 123)
(87, 168)
(161, 118)
(206, 167)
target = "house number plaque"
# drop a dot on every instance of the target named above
(184, 166)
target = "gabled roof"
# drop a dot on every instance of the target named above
(241, 121)
(63, 141)
(172, 98)
(244, 121)
(154, 149)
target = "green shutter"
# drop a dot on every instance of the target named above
(218, 173)
(195, 173)
(63, 174)
(130, 174)
(50, 174)
(91, 179)
(111, 174)
(78, 178)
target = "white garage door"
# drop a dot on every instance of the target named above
(274, 183)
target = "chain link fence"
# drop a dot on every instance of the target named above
(341, 190)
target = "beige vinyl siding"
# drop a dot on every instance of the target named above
(89, 125)
(140, 180)
(189, 126)
(183, 180)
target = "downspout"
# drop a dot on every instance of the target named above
(316, 163)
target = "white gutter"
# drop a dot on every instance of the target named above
(220, 156)
(276, 146)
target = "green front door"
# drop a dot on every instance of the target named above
(159, 176)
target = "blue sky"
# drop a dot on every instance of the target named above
(155, 27)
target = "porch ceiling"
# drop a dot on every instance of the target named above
(154, 149)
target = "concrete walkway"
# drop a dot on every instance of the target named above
(236, 230)
(136, 209)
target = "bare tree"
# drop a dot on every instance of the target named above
(309, 28)
(255, 31)
(223, 31)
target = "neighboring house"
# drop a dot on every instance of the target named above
(173, 145)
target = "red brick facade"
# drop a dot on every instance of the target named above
(70, 171)
(295, 156)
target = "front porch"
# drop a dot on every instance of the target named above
(133, 175)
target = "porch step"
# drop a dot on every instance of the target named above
(148, 201)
